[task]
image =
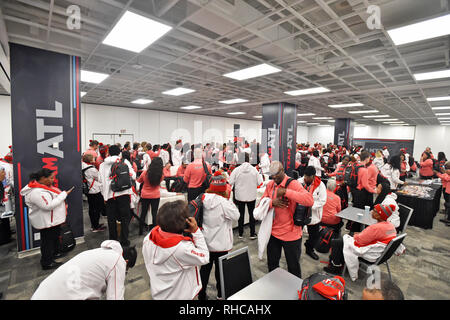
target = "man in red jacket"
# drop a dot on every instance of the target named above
(195, 175)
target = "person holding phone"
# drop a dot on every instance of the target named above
(48, 212)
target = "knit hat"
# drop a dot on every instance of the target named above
(218, 182)
(384, 211)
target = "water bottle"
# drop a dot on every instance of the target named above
(367, 210)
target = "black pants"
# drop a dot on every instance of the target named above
(49, 244)
(361, 198)
(145, 203)
(336, 227)
(205, 271)
(446, 196)
(343, 194)
(251, 207)
(403, 178)
(337, 252)
(426, 177)
(292, 252)
(194, 192)
(313, 236)
(96, 208)
(118, 209)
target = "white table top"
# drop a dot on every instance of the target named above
(276, 285)
(351, 213)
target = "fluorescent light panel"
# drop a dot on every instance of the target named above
(440, 108)
(384, 119)
(432, 75)
(438, 99)
(191, 107)
(322, 118)
(134, 32)
(347, 105)
(142, 101)
(257, 117)
(236, 113)
(313, 123)
(442, 114)
(178, 91)
(424, 30)
(305, 114)
(93, 77)
(82, 93)
(307, 91)
(443, 119)
(377, 116)
(252, 72)
(232, 101)
(363, 111)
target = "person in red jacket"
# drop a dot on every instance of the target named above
(331, 208)
(426, 166)
(285, 235)
(341, 189)
(444, 175)
(195, 175)
(181, 170)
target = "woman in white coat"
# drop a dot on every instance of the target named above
(218, 216)
(47, 212)
(391, 171)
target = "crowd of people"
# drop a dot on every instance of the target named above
(125, 182)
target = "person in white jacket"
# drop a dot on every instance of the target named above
(90, 274)
(177, 155)
(246, 179)
(164, 154)
(47, 213)
(264, 162)
(379, 160)
(172, 259)
(386, 197)
(218, 216)
(315, 162)
(94, 196)
(117, 203)
(391, 171)
(312, 183)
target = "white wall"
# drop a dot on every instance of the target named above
(323, 135)
(5, 125)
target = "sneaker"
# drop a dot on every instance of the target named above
(99, 229)
(52, 265)
(333, 270)
(219, 298)
(253, 237)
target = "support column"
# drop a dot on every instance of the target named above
(343, 132)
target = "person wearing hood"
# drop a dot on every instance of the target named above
(90, 274)
(246, 179)
(171, 258)
(218, 216)
(117, 203)
(164, 154)
(264, 162)
(48, 212)
(316, 187)
(103, 151)
(314, 161)
(177, 154)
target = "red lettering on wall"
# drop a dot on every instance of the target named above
(50, 163)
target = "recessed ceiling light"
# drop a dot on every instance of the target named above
(252, 72)
(443, 118)
(331, 120)
(363, 111)
(134, 32)
(324, 125)
(322, 118)
(257, 117)
(93, 77)
(398, 122)
(440, 108)
(82, 93)
(377, 116)
(346, 105)
(142, 101)
(178, 91)
(313, 123)
(307, 91)
(424, 30)
(233, 101)
(438, 99)
(236, 113)
(191, 107)
(432, 75)
(302, 121)
(305, 114)
(442, 114)
(384, 119)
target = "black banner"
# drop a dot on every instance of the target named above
(279, 132)
(45, 112)
(236, 129)
(343, 132)
(393, 146)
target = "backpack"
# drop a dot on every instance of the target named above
(196, 209)
(120, 176)
(85, 185)
(321, 286)
(139, 162)
(208, 177)
(178, 186)
(302, 215)
(351, 175)
(326, 234)
(66, 240)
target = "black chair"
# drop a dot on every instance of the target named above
(405, 215)
(235, 272)
(385, 256)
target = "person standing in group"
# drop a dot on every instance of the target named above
(314, 161)
(95, 198)
(386, 152)
(117, 203)
(218, 216)
(285, 234)
(90, 274)
(331, 208)
(391, 171)
(47, 213)
(264, 164)
(404, 167)
(372, 174)
(155, 151)
(195, 175)
(93, 146)
(103, 151)
(164, 154)
(245, 179)
(177, 154)
(378, 161)
(315, 186)
(341, 187)
(151, 191)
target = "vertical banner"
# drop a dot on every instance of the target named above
(343, 132)
(279, 132)
(45, 112)
(236, 130)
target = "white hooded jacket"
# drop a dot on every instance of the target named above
(91, 175)
(265, 163)
(320, 199)
(246, 180)
(103, 175)
(173, 264)
(218, 216)
(87, 276)
(47, 206)
(266, 215)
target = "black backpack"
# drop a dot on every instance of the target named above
(208, 177)
(139, 162)
(178, 185)
(66, 239)
(335, 283)
(196, 209)
(85, 186)
(302, 215)
(120, 177)
(326, 234)
(351, 175)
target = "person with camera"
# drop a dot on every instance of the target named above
(47, 213)
(285, 234)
